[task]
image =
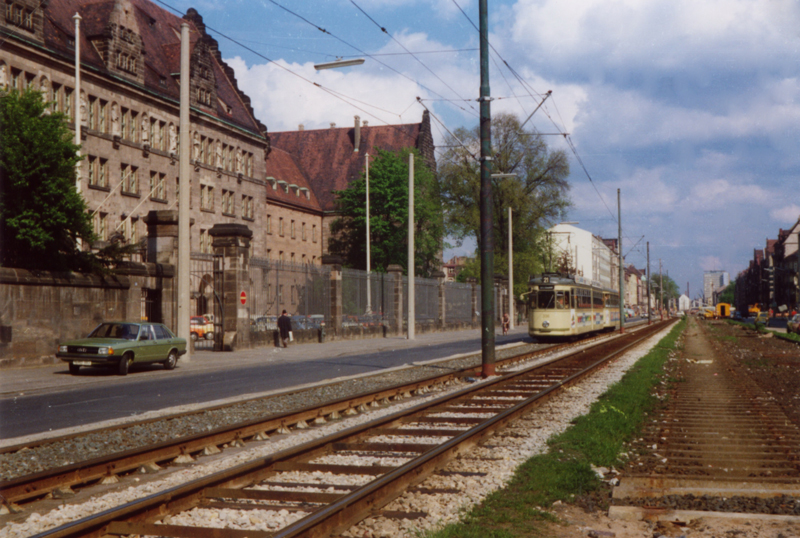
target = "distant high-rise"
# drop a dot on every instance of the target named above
(713, 280)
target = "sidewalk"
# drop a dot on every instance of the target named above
(29, 380)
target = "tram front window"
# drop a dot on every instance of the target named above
(549, 300)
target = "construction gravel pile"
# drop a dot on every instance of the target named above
(94, 445)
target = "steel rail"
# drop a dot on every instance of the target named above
(30, 487)
(133, 517)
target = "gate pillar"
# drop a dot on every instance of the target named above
(231, 243)
(396, 287)
(335, 263)
(441, 321)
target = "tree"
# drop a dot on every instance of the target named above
(671, 290)
(388, 192)
(41, 213)
(729, 293)
(537, 194)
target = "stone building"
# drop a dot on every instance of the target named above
(129, 103)
(326, 160)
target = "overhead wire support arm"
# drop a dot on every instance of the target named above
(546, 95)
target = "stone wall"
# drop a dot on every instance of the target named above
(42, 308)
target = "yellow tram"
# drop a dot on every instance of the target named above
(567, 305)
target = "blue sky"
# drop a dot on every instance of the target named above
(691, 108)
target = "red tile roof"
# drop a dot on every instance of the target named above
(326, 157)
(281, 167)
(160, 33)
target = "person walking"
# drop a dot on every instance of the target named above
(285, 328)
(506, 323)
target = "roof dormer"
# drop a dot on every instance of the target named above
(120, 43)
(26, 17)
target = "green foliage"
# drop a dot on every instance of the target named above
(671, 290)
(537, 195)
(729, 294)
(388, 195)
(565, 471)
(41, 213)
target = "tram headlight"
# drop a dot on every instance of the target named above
(545, 324)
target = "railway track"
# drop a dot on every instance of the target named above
(720, 447)
(388, 456)
(65, 480)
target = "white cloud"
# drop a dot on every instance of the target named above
(710, 263)
(787, 214)
(724, 195)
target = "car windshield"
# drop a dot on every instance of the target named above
(125, 331)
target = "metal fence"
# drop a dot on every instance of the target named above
(303, 290)
(458, 302)
(367, 299)
(204, 295)
(426, 300)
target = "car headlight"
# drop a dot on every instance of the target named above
(105, 351)
(62, 349)
(545, 324)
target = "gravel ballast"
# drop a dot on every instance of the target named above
(508, 450)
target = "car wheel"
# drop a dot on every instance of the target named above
(124, 364)
(172, 360)
(209, 336)
(74, 368)
(194, 337)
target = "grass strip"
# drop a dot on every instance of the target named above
(565, 471)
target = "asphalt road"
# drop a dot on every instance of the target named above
(43, 399)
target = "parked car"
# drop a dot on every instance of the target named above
(793, 325)
(316, 321)
(201, 327)
(762, 317)
(737, 316)
(120, 344)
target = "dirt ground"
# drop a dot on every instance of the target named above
(775, 365)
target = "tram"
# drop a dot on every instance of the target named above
(569, 305)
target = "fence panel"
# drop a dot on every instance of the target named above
(458, 302)
(366, 299)
(303, 290)
(204, 294)
(426, 300)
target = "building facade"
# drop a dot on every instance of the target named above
(591, 256)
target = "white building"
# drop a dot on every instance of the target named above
(684, 303)
(587, 253)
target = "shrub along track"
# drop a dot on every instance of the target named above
(720, 446)
(399, 450)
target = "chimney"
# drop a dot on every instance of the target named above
(357, 136)
(333, 126)
(301, 127)
(364, 123)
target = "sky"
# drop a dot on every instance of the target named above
(690, 107)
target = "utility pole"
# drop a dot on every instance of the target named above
(621, 269)
(649, 277)
(661, 286)
(184, 173)
(510, 274)
(412, 318)
(487, 241)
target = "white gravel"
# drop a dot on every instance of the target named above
(529, 438)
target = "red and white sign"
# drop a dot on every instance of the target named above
(243, 297)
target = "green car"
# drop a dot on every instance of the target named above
(120, 344)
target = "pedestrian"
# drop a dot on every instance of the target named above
(285, 328)
(506, 323)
